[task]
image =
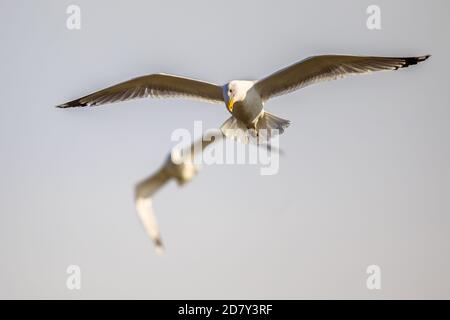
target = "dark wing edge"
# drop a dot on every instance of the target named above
(154, 86)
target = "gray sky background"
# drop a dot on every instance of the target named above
(365, 179)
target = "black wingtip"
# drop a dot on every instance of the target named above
(415, 60)
(410, 61)
(72, 104)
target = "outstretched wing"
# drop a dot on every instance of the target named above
(155, 86)
(324, 68)
(144, 192)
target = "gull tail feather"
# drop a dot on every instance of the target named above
(266, 125)
(271, 122)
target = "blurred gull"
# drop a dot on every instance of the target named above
(180, 166)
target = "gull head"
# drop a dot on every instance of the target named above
(235, 91)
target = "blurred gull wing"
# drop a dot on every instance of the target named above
(154, 86)
(214, 136)
(327, 67)
(202, 143)
(143, 199)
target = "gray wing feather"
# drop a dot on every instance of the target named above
(201, 144)
(154, 86)
(328, 67)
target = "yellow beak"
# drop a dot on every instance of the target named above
(230, 105)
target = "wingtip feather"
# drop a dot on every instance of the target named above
(159, 249)
(414, 60)
(72, 104)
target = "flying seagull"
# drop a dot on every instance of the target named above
(180, 166)
(245, 99)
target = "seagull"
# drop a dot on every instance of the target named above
(179, 166)
(245, 99)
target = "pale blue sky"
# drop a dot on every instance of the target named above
(365, 179)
